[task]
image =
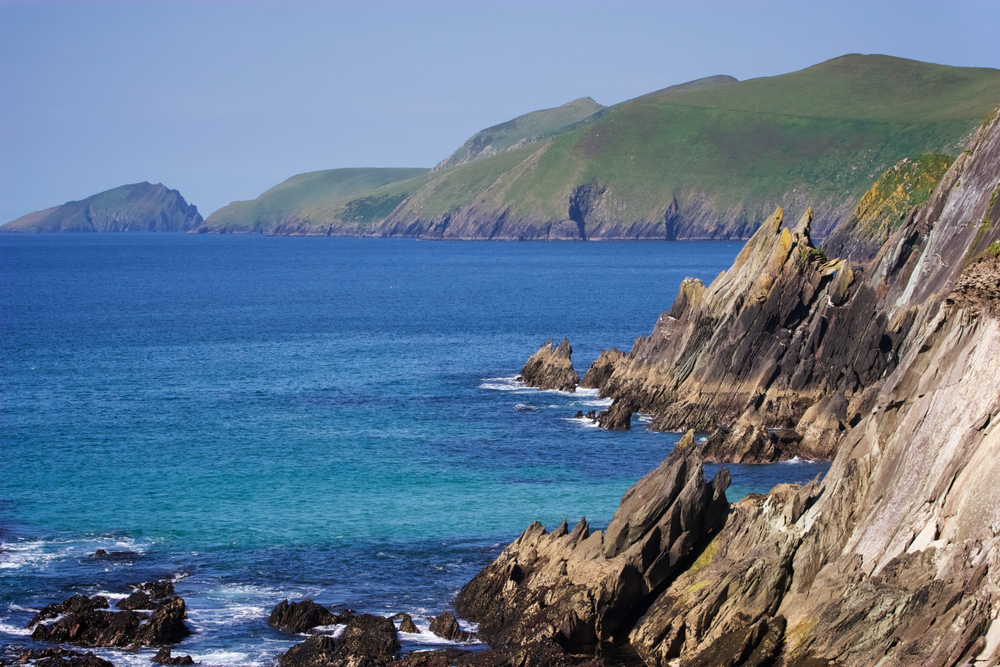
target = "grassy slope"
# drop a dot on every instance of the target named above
(523, 129)
(323, 191)
(821, 134)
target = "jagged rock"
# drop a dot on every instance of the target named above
(578, 415)
(592, 414)
(166, 625)
(449, 657)
(60, 657)
(551, 368)
(618, 417)
(299, 616)
(446, 627)
(602, 369)
(137, 600)
(406, 623)
(577, 588)
(163, 657)
(366, 641)
(74, 605)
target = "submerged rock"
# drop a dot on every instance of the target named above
(551, 368)
(299, 616)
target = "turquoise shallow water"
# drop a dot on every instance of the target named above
(263, 418)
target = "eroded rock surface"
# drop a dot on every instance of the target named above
(551, 368)
(575, 588)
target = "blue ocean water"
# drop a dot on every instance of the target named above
(265, 418)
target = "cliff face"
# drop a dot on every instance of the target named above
(893, 560)
(783, 353)
(140, 207)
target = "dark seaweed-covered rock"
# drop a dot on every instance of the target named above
(163, 657)
(447, 627)
(367, 640)
(299, 616)
(166, 625)
(75, 604)
(551, 368)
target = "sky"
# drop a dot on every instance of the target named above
(222, 100)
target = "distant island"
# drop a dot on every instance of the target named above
(140, 207)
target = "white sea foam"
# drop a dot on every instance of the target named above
(504, 384)
(583, 421)
(334, 630)
(645, 418)
(795, 460)
(225, 658)
(229, 615)
(521, 407)
(9, 629)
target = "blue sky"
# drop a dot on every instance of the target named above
(222, 100)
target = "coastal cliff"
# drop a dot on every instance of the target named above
(894, 559)
(141, 207)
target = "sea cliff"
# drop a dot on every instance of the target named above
(894, 559)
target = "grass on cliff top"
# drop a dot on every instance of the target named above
(290, 199)
(138, 201)
(827, 131)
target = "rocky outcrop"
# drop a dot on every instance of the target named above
(140, 207)
(299, 616)
(894, 559)
(87, 622)
(551, 368)
(367, 641)
(577, 588)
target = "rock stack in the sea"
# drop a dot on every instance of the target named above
(551, 368)
(446, 626)
(893, 560)
(88, 621)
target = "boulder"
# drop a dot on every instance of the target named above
(137, 600)
(299, 616)
(91, 628)
(446, 627)
(551, 368)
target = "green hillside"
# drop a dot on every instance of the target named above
(329, 190)
(140, 207)
(522, 130)
(708, 159)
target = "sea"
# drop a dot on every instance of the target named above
(266, 418)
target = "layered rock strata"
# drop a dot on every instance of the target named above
(893, 560)
(782, 354)
(551, 368)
